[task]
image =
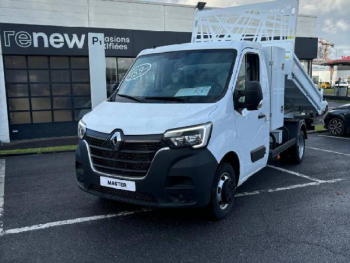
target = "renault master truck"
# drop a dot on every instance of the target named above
(190, 123)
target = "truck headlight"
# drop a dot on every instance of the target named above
(197, 136)
(81, 129)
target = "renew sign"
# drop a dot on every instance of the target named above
(39, 39)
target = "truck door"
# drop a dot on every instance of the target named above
(252, 126)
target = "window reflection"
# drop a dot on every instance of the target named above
(111, 75)
(17, 90)
(123, 66)
(38, 62)
(20, 117)
(62, 115)
(15, 62)
(42, 116)
(116, 68)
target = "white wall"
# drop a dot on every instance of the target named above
(45, 12)
(121, 14)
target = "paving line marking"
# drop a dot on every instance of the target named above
(328, 151)
(2, 187)
(315, 182)
(295, 173)
(328, 136)
(101, 217)
(70, 222)
(288, 187)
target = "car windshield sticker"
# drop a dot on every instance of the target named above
(138, 71)
(198, 91)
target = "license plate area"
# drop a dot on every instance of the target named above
(117, 184)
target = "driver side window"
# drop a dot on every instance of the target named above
(249, 71)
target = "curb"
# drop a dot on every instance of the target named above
(311, 132)
(331, 97)
(33, 153)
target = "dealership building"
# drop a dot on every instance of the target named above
(44, 64)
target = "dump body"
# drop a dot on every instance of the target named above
(301, 94)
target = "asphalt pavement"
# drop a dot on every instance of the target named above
(284, 213)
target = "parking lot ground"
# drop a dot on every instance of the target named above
(284, 213)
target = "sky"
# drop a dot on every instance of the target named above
(333, 22)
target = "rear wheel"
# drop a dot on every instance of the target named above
(295, 154)
(336, 127)
(223, 191)
(298, 151)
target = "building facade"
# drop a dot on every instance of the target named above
(44, 64)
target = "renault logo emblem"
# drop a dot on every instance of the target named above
(116, 140)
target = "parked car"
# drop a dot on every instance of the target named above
(324, 85)
(342, 83)
(337, 121)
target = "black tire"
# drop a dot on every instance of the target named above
(336, 127)
(298, 151)
(224, 176)
(295, 154)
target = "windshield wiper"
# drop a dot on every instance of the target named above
(165, 98)
(130, 97)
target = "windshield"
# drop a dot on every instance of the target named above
(184, 76)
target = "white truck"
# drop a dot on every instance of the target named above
(190, 123)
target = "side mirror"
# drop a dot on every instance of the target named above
(250, 97)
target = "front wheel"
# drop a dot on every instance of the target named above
(223, 191)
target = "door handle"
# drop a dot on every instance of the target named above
(261, 116)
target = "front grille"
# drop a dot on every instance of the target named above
(133, 159)
(124, 195)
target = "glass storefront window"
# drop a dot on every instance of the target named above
(62, 115)
(81, 89)
(41, 104)
(16, 76)
(62, 102)
(45, 89)
(38, 62)
(82, 102)
(42, 116)
(111, 75)
(80, 76)
(19, 104)
(123, 66)
(38, 90)
(39, 76)
(61, 90)
(20, 117)
(59, 62)
(116, 69)
(60, 76)
(15, 62)
(80, 62)
(17, 90)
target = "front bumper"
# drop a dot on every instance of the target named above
(176, 178)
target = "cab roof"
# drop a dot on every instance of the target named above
(239, 46)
